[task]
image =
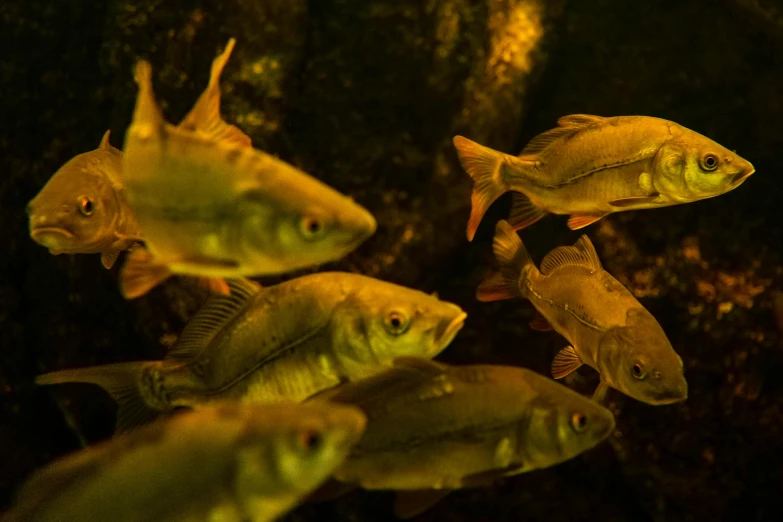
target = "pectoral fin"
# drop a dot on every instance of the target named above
(577, 221)
(141, 274)
(216, 285)
(565, 362)
(599, 395)
(633, 202)
(408, 504)
(109, 258)
(540, 324)
(487, 478)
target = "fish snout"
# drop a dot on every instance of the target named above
(745, 171)
(448, 329)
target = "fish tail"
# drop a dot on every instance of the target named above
(122, 381)
(140, 274)
(514, 262)
(483, 165)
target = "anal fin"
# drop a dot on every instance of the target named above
(523, 212)
(577, 221)
(565, 362)
(540, 324)
(140, 274)
(408, 504)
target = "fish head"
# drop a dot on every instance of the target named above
(311, 223)
(564, 423)
(79, 208)
(691, 167)
(294, 447)
(644, 365)
(382, 321)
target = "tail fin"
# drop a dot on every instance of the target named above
(122, 381)
(513, 259)
(483, 165)
(140, 274)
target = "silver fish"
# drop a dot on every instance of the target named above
(284, 342)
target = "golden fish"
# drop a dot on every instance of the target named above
(82, 209)
(433, 428)
(590, 166)
(230, 462)
(278, 343)
(609, 330)
(210, 205)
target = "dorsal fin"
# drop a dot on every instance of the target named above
(214, 315)
(581, 254)
(205, 116)
(579, 120)
(567, 126)
(106, 145)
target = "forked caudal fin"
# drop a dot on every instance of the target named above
(483, 165)
(121, 381)
(512, 260)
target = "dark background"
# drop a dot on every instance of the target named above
(366, 95)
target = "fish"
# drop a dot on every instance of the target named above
(212, 206)
(228, 462)
(433, 428)
(277, 343)
(608, 328)
(591, 166)
(83, 209)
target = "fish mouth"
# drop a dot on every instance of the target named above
(671, 396)
(742, 176)
(448, 333)
(55, 231)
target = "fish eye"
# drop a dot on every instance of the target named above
(638, 371)
(709, 162)
(579, 422)
(312, 227)
(396, 323)
(309, 440)
(86, 206)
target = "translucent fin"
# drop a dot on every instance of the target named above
(577, 221)
(632, 202)
(495, 288)
(408, 504)
(581, 120)
(512, 259)
(565, 362)
(109, 258)
(540, 324)
(581, 254)
(211, 318)
(205, 115)
(599, 395)
(216, 285)
(140, 274)
(121, 381)
(483, 165)
(523, 212)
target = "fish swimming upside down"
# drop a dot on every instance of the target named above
(591, 166)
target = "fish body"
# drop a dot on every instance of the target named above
(229, 462)
(591, 166)
(608, 328)
(279, 343)
(211, 205)
(83, 209)
(436, 427)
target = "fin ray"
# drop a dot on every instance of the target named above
(565, 362)
(523, 212)
(140, 274)
(577, 221)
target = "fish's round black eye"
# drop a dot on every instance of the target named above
(638, 370)
(86, 206)
(709, 162)
(396, 323)
(310, 440)
(579, 422)
(311, 227)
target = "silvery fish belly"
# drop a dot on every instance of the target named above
(210, 205)
(280, 343)
(608, 328)
(254, 464)
(433, 426)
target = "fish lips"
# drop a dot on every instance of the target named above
(742, 176)
(51, 237)
(672, 396)
(446, 333)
